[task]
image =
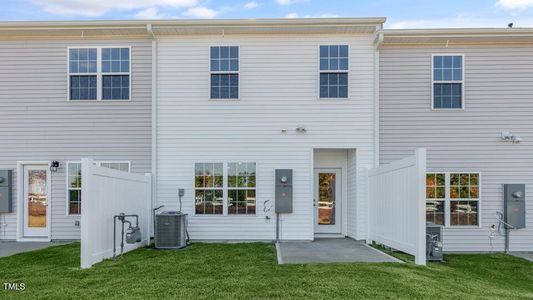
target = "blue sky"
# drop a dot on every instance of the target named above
(400, 13)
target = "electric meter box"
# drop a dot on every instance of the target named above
(515, 205)
(6, 191)
(283, 191)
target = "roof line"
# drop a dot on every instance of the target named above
(457, 32)
(102, 24)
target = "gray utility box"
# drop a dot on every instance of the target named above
(6, 191)
(283, 191)
(514, 201)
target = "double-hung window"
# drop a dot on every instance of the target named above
(74, 182)
(83, 73)
(99, 73)
(224, 72)
(334, 66)
(209, 188)
(74, 188)
(241, 188)
(447, 80)
(229, 192)
(115, 73)
(452, 199)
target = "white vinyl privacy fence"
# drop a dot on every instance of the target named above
(397, 206)
(106, 193)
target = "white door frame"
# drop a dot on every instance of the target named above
(336, 229)
(20, 201)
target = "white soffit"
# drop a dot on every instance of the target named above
(138, 29)
(470, 36)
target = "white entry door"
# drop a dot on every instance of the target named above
(36, 197)
(327, 201)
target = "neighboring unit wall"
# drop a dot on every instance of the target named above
(498, 97)
(278, 90)
(37, 123)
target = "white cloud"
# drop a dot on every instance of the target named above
(95, 8)
(288, 2)
(252, 4)
(294, 15)
(201, 12)
(514, 4)
(149, 13)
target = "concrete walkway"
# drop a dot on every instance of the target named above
(329, 251)
(11, 248)
(524, 255)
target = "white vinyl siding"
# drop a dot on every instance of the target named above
(279, 86)
(499, 93)
(39, 124)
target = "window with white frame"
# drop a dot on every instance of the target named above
(452, 199)
(116, 165)
(83, 73)
(209, 188)
(74, 188)
(74, 182)
(447, 77)
(99, 73)
(334, 65)
(232, 192)
(224, 61)
(241, 188)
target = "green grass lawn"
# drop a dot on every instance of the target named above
(250, 271)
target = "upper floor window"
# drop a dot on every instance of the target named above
(447, 80)
(334, 65)
(225, 72)
(99, 73)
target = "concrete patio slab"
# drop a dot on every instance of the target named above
(12, 248)
(329, 251)
(525, 255)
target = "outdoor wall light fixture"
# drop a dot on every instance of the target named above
(301, 129)
(54, 166)
(509, 137)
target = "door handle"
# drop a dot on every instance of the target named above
(314, 202)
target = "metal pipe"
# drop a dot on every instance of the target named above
(114, 236)
(122, 240)
(277, 227)
(122, 217)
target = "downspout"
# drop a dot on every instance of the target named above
(377, 43)
(154, 118)
(378, 39)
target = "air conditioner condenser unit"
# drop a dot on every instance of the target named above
(170, 230)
